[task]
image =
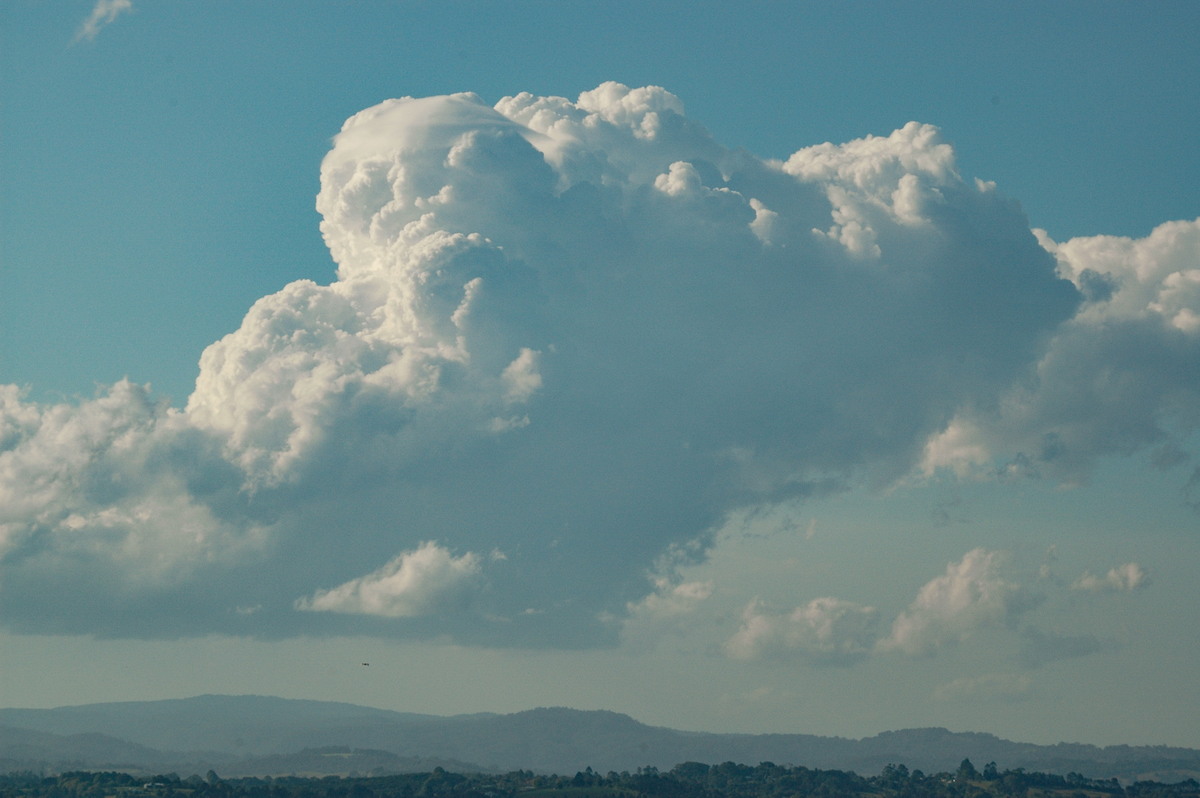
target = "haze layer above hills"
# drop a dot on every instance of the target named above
(257, 735)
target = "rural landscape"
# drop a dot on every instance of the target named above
(226, 746)
(599, 399)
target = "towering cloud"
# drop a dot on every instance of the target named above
(578, 333)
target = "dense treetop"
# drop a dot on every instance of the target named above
(687, 780)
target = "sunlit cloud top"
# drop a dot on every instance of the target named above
(581, 334)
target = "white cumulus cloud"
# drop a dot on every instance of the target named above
(584, 333)
(975, 595)
(1121, 579)
(671, 599)
(827, 631)
(420, 582)
(970, 595)
(670, 609)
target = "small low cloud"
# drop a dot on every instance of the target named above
(669, 610)
(825, 631)
(1122, 579)
(103, 13)
(415, 583)
(671, 599)
(975, 594)
(971, 594)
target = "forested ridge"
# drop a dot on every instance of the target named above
(243, 736)
(688, 780)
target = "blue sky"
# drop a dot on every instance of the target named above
(660, 383)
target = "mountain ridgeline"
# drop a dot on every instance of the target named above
(260, 736)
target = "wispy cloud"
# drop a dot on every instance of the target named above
(103, 13)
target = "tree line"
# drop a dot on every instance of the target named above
(688, 780)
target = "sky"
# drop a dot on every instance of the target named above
(810, 367)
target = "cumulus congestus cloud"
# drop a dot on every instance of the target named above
(564, 338)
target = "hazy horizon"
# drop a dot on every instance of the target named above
(820, 369)
(559, 709)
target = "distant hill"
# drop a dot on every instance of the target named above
(257, 735)
(28, 749)
(342, 761)
(239, 725)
